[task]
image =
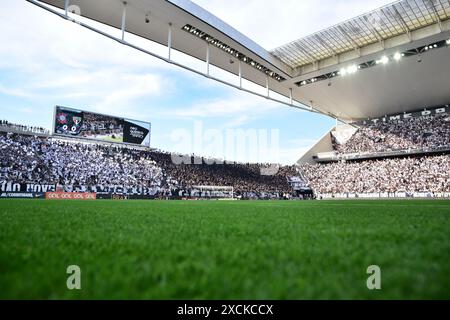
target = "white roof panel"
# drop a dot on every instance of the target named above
(381, 24)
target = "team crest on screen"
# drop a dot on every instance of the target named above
(76, 120)
(61, 118)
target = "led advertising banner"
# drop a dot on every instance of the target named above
(88, 125)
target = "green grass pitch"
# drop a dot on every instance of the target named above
(224, 250)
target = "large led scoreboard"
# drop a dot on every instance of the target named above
(76, 123)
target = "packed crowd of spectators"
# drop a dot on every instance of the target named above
(23, 128)
(245, 178)
(408, 134)
(28, 158)
(31, 159)
(413, 174)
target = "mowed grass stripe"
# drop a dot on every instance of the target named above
(224, 250)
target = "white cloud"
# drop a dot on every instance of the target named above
(237, 121)
(106, 88)
(77, 78)
(15, 92)
(131, 87)
(290, 152)
(234, 105)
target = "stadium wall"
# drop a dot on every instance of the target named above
(323, 145)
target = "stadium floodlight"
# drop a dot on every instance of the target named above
(352, 69)
(397, 56)
(230, 50)
(383, 60)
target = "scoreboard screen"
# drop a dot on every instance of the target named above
(75, 123)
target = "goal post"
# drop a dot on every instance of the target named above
(213, 192)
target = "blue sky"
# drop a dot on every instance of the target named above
(46, 61)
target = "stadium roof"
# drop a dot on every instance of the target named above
(341, 71)
(401, 17)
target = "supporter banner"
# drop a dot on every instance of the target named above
(22, 195)
(70, 196)
(10, 186)
(82, 124)
(113, 189)
(407, 115)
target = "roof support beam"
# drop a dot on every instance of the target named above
(440, 2)
(240, 74)
(311, 58)
(355, 46)
(431, 4)
(66, 6)
(169, 41)
(347, 36)
(295, 57)
(374, 31)
(124, 19)
(207, 57)
(399, 18)
(295, 54)
(325, 45)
